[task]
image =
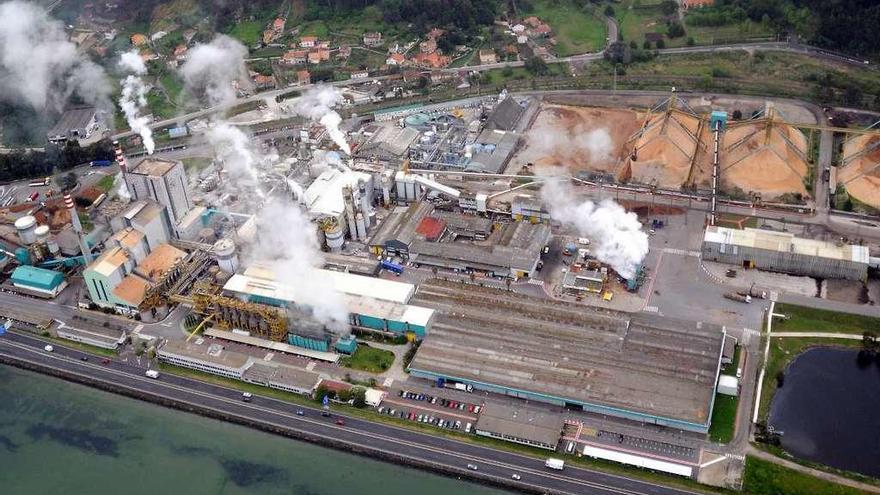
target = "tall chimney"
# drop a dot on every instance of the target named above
(77, 227)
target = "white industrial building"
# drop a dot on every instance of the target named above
(75, 124)
(728, 385)
(346, 197)
(163, 181)
(783, 252)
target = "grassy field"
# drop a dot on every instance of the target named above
(576, 29)
(765, 478)
(371, 359)
(173, 85)
(731, 33)
(723, 418)
(782, 351)
(804, 319)
(106, 183)
(247, 32)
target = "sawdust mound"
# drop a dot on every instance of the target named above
(768, 158)
(663, 152)
(860, 172)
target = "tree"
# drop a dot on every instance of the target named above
(68, 182)
(737, 115)
(536, 66)
(852, 95)
(507, 71)
(344, 395)
(359, 397)
(675, 30)
(690, 41)
(633, 45)
(646, 45)
(661, 44)
(618, 53)
(668, 7)
(321, 392)
(609, 11)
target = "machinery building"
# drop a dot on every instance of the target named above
(38, 281)
(520, 424)
(642, 368)
(341, 202)
(75, 124)
(147, 217)
(783, 252)
(461, 242)
(163, 181)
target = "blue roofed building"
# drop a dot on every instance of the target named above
(38, 281)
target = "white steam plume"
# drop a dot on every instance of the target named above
(317, 104)
(39, 66)
(616, 235)
(212, 69)
(235, 150)
(288, 241)
(121, 187)
(134, 98)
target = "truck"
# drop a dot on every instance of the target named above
(734, 296)
(392, 267)
(462, 386)
(152, 374)
(100, 163)
(556, 464)
(753, 292)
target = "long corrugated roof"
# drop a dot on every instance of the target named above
(785, 242)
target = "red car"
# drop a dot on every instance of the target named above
(105, 361)
(340, 422)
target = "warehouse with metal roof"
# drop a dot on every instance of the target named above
(783, 252)
(38, 281)
(648, 369)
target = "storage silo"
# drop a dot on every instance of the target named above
(224, 252)
(26, 227)
(41, 233)
(360, 223)
(334, 234)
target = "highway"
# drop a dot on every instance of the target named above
(363, 436)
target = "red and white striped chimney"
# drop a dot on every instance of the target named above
(77, 227)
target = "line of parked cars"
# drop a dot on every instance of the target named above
(440, 402)
(426, 418)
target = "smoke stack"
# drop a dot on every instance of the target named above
(77, 227)
(120, 158)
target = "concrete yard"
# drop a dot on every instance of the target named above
(641, 367)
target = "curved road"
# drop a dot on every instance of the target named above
(356, 432)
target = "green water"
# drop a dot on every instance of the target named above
(62, 438)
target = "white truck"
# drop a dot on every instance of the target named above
(152, 374)
(462, 386)
(556, 464)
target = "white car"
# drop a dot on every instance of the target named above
(516, 476)
(48, 348)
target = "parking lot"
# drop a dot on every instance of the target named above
(431, 409)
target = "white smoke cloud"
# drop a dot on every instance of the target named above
(574, 145)
(212, 69)
(616, 235)
(288, 241)
(317, 104)
(134, 98)
(239, 159)
(121, 187)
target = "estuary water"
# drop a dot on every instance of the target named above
(827, 410)
(67, 439)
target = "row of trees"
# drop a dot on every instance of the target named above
(30, 164)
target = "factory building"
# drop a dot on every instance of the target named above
(342, 203)
(519, 424)
(783, 252)
(528, 208)
(209, 358)
(147, 217)
(585, 281)
(163, 181)
(75, 124)
(647, 369)
(449, 240)
(38, 281)
(388, 144)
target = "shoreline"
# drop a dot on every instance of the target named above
(208, 412)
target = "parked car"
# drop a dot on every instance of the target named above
(340, 422)
(472, 467)
(300, 412)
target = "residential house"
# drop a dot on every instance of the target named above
(138, 39)
(395, 59)
(319, 55)
(522, 39)
(428, 46)
(294, 57)
(303, 77)
(541, 30)
(518, 29)
(372, 39)
(689, 4)
(147, 55)
(180, 52)
(343, 52)
(158, 35)
(308, 41)
(532, 21)
(264, 82)
(188, 35)
(488, 57)
(435, 33)
(433, 60)
(278, 25)
(360, 74)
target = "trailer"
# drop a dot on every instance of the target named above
(100, 163)
(735, 296)
(557, 464)
(392, 267)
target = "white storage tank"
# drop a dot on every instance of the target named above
(360, 222)
(227, 259)
(26, 227)
(335, 236)
(53, 247)
(42, 233)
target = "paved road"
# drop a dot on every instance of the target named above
(821, 335)
(356, 432)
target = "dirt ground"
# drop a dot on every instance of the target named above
(860, 174)
(665, 150)
(771, 168)
(576, 139)
(848, 291)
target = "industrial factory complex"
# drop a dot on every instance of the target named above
(429, 267)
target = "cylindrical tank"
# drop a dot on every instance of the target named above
(386, 190)
(361, 224)
(335, 236)
(42, 233)
(54, 249)
(26, 227)
(224, 251)
(23, 256)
